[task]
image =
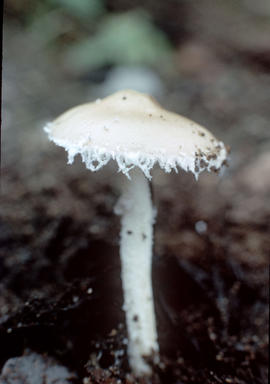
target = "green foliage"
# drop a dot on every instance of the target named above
(81, 8)
(52, 19)
(127, 38)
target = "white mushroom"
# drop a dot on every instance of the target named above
(135, 131)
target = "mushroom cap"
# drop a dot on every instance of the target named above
(133, 129)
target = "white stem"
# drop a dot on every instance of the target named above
(135, 206)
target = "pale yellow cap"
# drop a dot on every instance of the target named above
(133, 129)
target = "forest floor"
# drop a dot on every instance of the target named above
(60, 288)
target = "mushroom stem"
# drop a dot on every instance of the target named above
(135, 207)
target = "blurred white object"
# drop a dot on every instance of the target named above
(140, 79)
(32, 368)
(200, 227)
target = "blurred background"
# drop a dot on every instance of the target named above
(208, 60)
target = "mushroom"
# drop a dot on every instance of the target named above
(135, 131)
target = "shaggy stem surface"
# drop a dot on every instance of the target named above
(135, 206)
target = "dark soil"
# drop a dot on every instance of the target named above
(60, 288)
(61, 291)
